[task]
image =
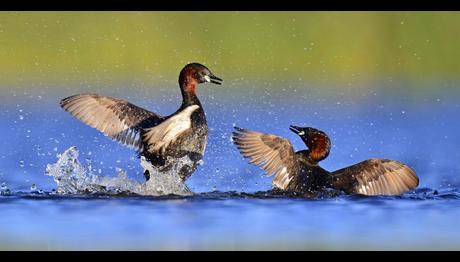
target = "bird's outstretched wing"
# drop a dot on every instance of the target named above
(116, 118)
(376, 177)
(273, 154)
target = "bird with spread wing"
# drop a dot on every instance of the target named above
(157, 138)
(300, 172)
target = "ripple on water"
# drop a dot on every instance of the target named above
(105, 193)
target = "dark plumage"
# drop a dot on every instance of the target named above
(299, 172)
(156, 137)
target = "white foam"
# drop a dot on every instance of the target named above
(72, 177)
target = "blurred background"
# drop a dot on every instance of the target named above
(381, 84)
(352, 49)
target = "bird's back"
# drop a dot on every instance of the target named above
(310, 178)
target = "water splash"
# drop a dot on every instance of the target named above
(72, 177)
(166, 183)
(4, 190)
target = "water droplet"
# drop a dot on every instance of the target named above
(4, 190)
(33, 187)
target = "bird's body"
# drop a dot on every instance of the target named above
(161, 140)
(311, 177)
(300, 172)
(187, 139)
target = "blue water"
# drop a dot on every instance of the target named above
(419, 129)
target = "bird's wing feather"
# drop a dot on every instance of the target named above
(116, 118)
(273, 154)
(376, 177)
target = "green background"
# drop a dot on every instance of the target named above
(342, 48)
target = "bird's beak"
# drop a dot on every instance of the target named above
(297, 130)
(213, 79)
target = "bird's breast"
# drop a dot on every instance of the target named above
(195, 139)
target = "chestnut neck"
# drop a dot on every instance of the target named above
(188, 86)
(319, 147)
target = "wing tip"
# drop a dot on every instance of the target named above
(238, 134)
(403, 180)
(412, 175)
(65, 101)
(412, 180)
(394, 177)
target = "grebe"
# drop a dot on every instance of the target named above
(299, 172)
(157, 138)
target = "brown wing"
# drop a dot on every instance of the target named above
(115, 118)
(273, 154)
(376, 177)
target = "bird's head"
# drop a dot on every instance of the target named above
(318, 143)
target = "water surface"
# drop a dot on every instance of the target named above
(226, 212)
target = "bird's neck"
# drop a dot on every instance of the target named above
(305, 157)
(188, 89)
(319, 146)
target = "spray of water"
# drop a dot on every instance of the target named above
(72, 177)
